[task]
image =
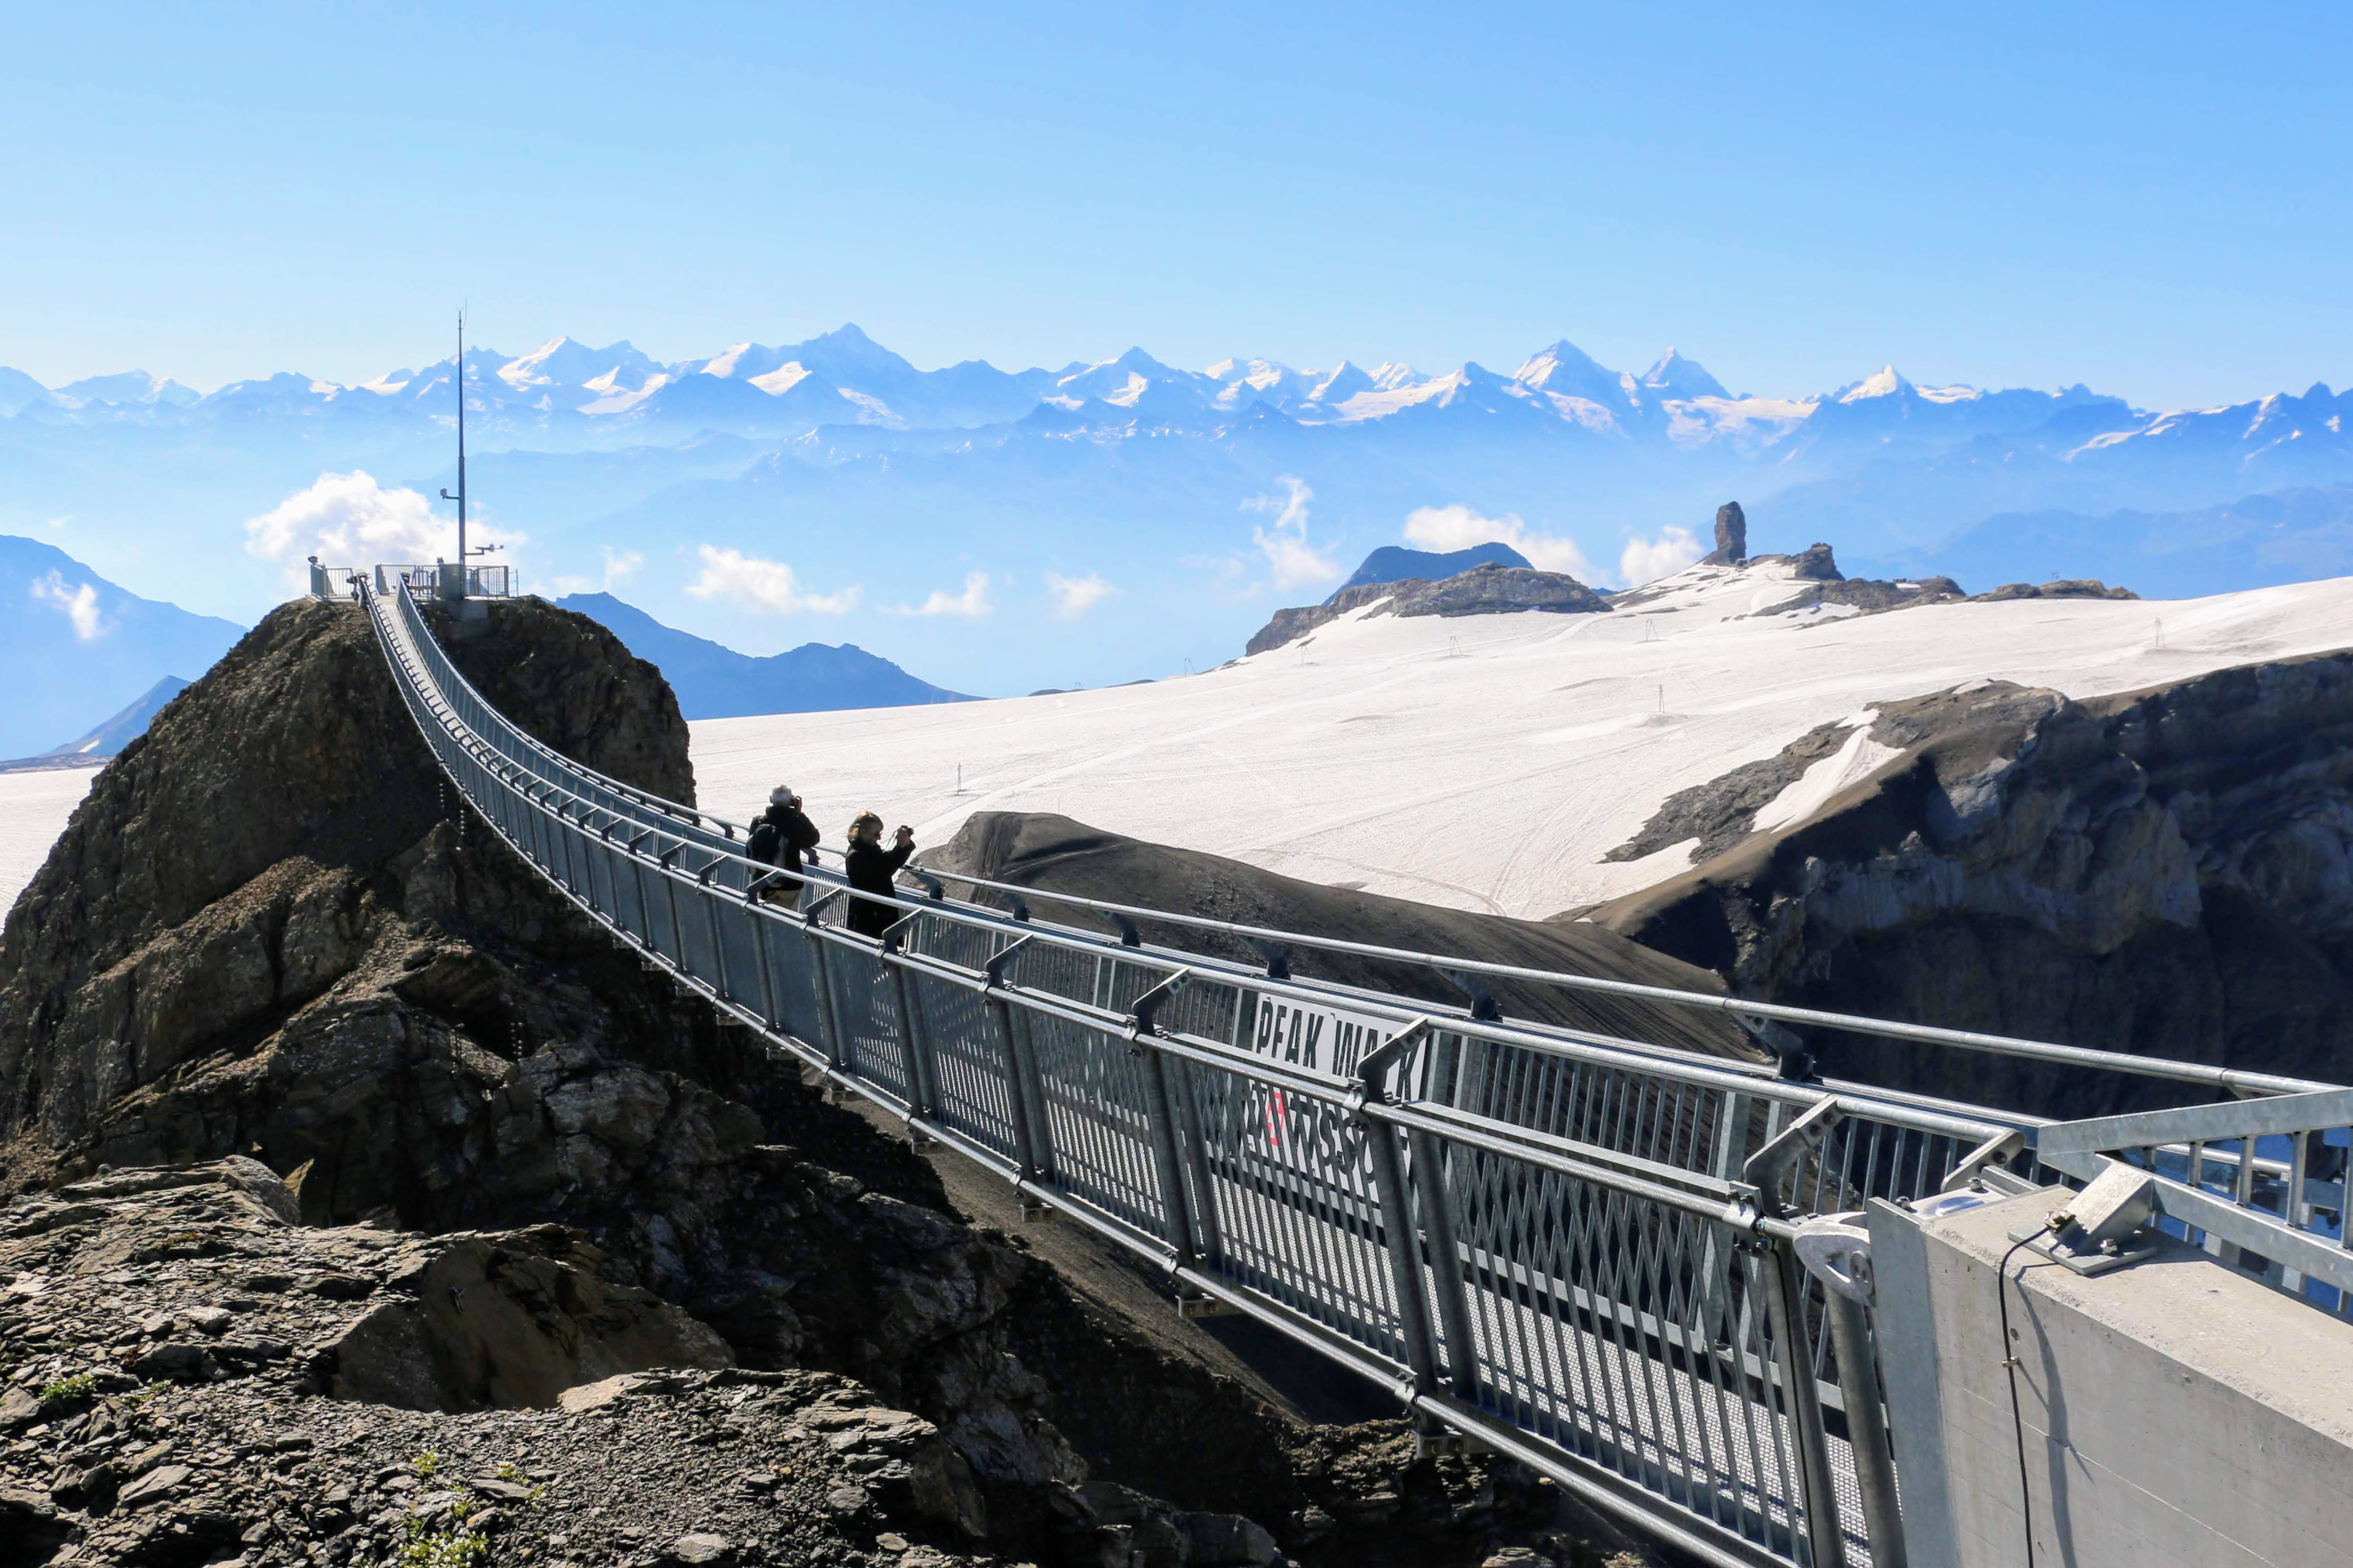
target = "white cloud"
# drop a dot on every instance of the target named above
(349, 520)
(973, 601)
(1457, 527)
(619, 565)
(79, 604)
(1648, 560)
(1074, 596)
(767, 587)
(1294, 561)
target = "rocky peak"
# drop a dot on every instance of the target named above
(1483, 590)
(243, 855)
(1731, 537)
(1815, 564)
(2057, 588)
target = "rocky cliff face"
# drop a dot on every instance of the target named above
(2168, 872)
(271, 935)
(1482, 591)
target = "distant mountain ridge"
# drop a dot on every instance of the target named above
(713, 682)
(845, 378)
(565, 394)
(75, 648)
(108, 739)
(1395, 563)
(1115, 519)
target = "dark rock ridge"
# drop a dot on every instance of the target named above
(1055, 854)
(1816, 569)
(2167, 871)
(270, 932)
(1722, 811)
(2058, 588)
(1482, 591)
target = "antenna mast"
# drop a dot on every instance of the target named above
(459, 377)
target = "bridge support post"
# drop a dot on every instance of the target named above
(1777, 1272)
(1434, 1201)
(1176, 1203)
(1017, 1090)
(1159, 1110)
(922, 1094)
(829, 1020)
(1207, 1229)
(1402, 1242)
(1030, 1131)
(1866, 1425)
(1033, 1085)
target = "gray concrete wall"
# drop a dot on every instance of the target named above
(2176, 1412)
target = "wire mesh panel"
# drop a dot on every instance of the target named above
(1654, 1116)
(865, 1013)
(975, 1092)
(660, 896)
(792, 977)
(1629, 1333)
(965, 945)
(1096, 1122)
(1290, 1184)
(698, 934)
(739, 951)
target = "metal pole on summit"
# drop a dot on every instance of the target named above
(459, 377)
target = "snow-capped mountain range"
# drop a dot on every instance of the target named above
(979, 525)
(566, 393)
(845, 378)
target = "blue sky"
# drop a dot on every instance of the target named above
(2152, 199)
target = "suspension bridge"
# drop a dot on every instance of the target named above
(1639, 1272)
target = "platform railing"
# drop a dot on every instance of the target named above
(1575, 1249)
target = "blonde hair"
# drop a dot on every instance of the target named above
(862, 819)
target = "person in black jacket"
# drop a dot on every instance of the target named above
(871, 868)
(782, 834)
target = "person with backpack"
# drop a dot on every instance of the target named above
(871, 869)
(782, 834)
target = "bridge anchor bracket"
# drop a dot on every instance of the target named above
(1190, 1306)
(1433, 1439)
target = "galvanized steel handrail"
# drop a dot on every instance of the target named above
(1698, 1001)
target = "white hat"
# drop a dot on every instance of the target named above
(781, 796)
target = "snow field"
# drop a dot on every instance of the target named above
(34, 808)
(1483, 762)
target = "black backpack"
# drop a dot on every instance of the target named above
(763, 844)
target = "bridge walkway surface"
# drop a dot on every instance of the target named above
(1618, 1263)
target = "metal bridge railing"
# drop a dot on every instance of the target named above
(427, 582)
(1580, 1250)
